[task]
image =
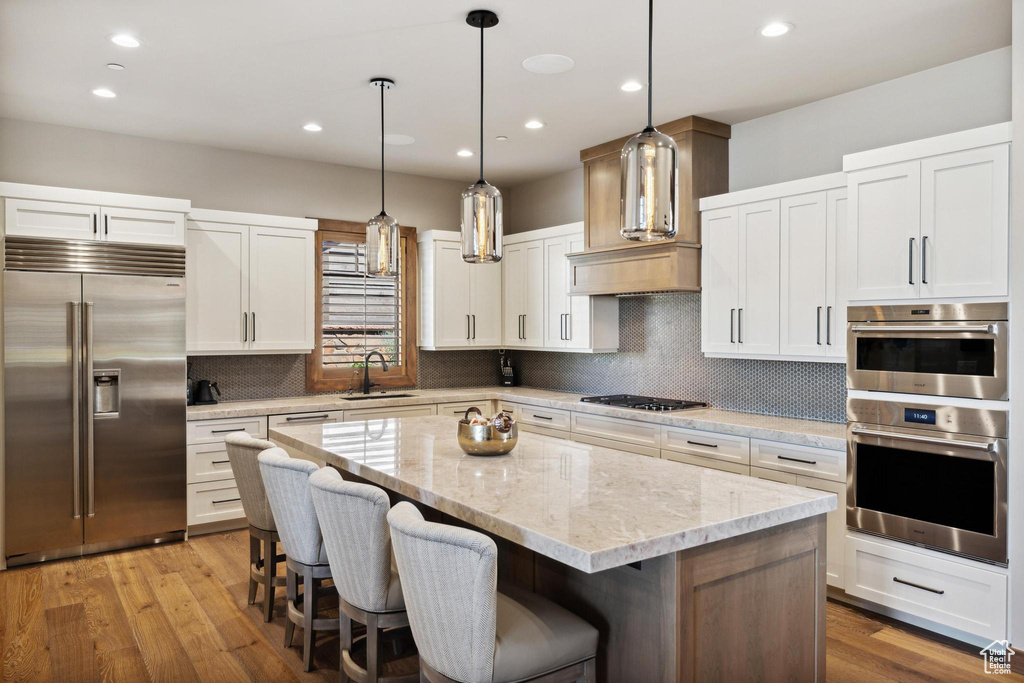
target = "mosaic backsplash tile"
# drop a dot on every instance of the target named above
(659, 356)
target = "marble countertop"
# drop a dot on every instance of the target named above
(829, 435)
(589, 507)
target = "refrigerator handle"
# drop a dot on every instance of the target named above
(90, 461)
(76, 405)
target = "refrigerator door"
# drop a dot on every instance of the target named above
(41, 412)
(134, 455)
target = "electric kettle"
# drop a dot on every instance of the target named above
(204, 392)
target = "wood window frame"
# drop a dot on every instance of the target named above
(319, 378)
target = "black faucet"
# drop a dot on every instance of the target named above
(366, 370)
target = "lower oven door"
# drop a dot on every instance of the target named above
(945, 491)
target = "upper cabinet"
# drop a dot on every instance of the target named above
(61, 213)
(771, 282)
(930, 219)
(250, 283)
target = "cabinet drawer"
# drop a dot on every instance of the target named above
(773, 475)
(459, 409)
(211, 431)
(628, 431)
(701, 461)
(208, 462)
(380, 413)
(617, 445)
(510, 408)
(950, 593)
(725, 447)
(322, 417)
(546, 431)
(544, 417)
(801, 460)
(215, 501)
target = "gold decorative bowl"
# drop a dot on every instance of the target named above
(484, 439)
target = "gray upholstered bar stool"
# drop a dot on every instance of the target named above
(466, 630)
(354, 521)
(243, 451)
(287, 482)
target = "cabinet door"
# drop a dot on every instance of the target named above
(965, 215)
(513, 293)
(485, 303)
(885, 224)
(556, 293)
(757, 318)
(601, 208)
(804, 237)
(837, 211)
(835, 524)
(217, 287)
(719, 293)
(579, 324)
(142, 227)
(533, 315)
(451, 284)
(51, 219)
(281, 289)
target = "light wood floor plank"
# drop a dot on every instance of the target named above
(26, 651)
(72, 656)
(122, 666)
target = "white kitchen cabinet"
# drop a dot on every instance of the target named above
(556, 291)
(361, 414)
(141, 226)
(56, 220)
(836, 219)
(720, 279)
(460, 302)
(930, 219)
(757, 316)
(250, 286)
(835, 527)
(523, 293)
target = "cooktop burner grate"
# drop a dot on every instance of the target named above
(643, 402)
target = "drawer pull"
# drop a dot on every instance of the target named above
(227, 431)
(219, 462)
(543, 417)
(917, 585)
(700, 443)
(805, 462)
(322, 416)
(226, 500)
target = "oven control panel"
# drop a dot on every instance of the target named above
(952, 419)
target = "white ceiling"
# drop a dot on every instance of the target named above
(247, 74)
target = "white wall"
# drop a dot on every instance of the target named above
(1016, 470)
(812, 139)
(214, 178)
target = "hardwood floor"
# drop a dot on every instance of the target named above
(178, 612)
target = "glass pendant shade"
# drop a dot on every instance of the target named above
(382, 244)
(650, 187)
(481, 223)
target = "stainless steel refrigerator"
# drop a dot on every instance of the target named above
(94, 399)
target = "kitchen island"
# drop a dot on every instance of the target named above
(688, 573)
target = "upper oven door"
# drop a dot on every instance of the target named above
(937, 489)
(959, 358)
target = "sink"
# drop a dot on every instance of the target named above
(375, 396)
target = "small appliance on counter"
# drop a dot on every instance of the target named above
(507, 378)
(204, 393)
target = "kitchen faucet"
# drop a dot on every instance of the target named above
(366, 369)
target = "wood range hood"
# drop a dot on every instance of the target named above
(610, 264)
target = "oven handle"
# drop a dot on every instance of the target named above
(987, 447)
(928, 329)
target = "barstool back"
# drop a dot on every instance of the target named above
(449, 578)
(243, 451)
(286, 480)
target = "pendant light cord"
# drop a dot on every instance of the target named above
(481, 102)
(650, 56)
(382, 146)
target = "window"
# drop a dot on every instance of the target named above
(357, 314)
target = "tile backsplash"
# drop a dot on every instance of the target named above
(659, 356)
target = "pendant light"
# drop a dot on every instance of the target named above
(382, 233)
(650, 174)
(481, 201)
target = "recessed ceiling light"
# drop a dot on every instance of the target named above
(775, 29)
(313, 127)
(125, 40)
(464, 153)
(548, 64)
(115, 67)
(534, 123)
(631, 86)
(396, 139)
(104, 92)
(501, 138)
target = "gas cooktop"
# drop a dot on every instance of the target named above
(643, 402)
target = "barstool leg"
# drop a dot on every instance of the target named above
(292, 594)
(309, 591)
(345, 638)
(254, 558)
(269, 572)
(373, 649)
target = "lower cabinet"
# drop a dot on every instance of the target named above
(701, 461)
(215, 501)
(211, 494)
(459, 409)
(631, 436)
(381, 413)
(293, 419)
(836, 528)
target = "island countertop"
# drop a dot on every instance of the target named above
(588, 507)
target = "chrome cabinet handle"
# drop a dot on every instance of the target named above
(924, 260)
(90, 461)
(322, 416)
(917, 585)
(245, 326)
(732, 317)
(76, 406)
(818, 318)
(699, 443)
(910, 267)
(988, 447)
(828, 325)
(254, 326)
(739, 325)
(805, 462)
(929, 329)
